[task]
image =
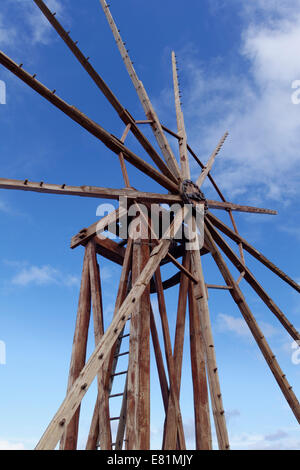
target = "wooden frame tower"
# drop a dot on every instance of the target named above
(141, 258)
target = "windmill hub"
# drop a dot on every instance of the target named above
(191, 194)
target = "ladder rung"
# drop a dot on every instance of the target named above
(124, 336)
(119, 373)
(122, 354)
(114, 418)
(116, 395)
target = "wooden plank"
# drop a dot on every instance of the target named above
(122, 112)
(210, 356)
(229, 206)
(253, 251)
(143, 96)
(258, 335)
(173, 418)
(109, 140)
(103, 392)
(138, 389)
(88, 191)
(68, 407)
(208, 166)
(200, 389)
(249, 277)
(183, 153)
(70, 437)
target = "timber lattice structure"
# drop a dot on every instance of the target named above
(142, 277)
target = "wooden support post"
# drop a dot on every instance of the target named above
(210, 162)
(211, 363)
(138, 388)
(69, 440)
(121, 158)
(173, 418)
(261, 341)
(201, 401)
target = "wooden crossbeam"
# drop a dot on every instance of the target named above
(208, 166)
(88, 191)
(258, 335)
(201, 401)
(111, 193)
(98, 80)
(253, 251)
(109, 140)
(249, 277)
(143, 96)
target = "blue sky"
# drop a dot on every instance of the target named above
(236, 65)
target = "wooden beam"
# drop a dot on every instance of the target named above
(210, 162)
(229, 206)
(173, 418)
(249, 277)
(109, 140)
(253, 251)
(183, 153)
(88, 191)
(210, 356)
(70, 436)
(138, 388)
(258, 335)
(142, 94)
(201, 400)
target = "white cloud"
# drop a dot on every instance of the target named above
(41, 275)
(238, 326)
(7, 445)
(35, 27)
(282, 439)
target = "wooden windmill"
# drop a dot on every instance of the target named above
(141, 258)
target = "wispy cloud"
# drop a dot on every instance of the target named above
(239, 327)
(40, 275)
(35, 27)
(8, 445)
(282, 439)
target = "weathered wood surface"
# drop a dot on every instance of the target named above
(210, 356)
(201, 401)
(208, 166)
(70, 436)
(183, 153)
